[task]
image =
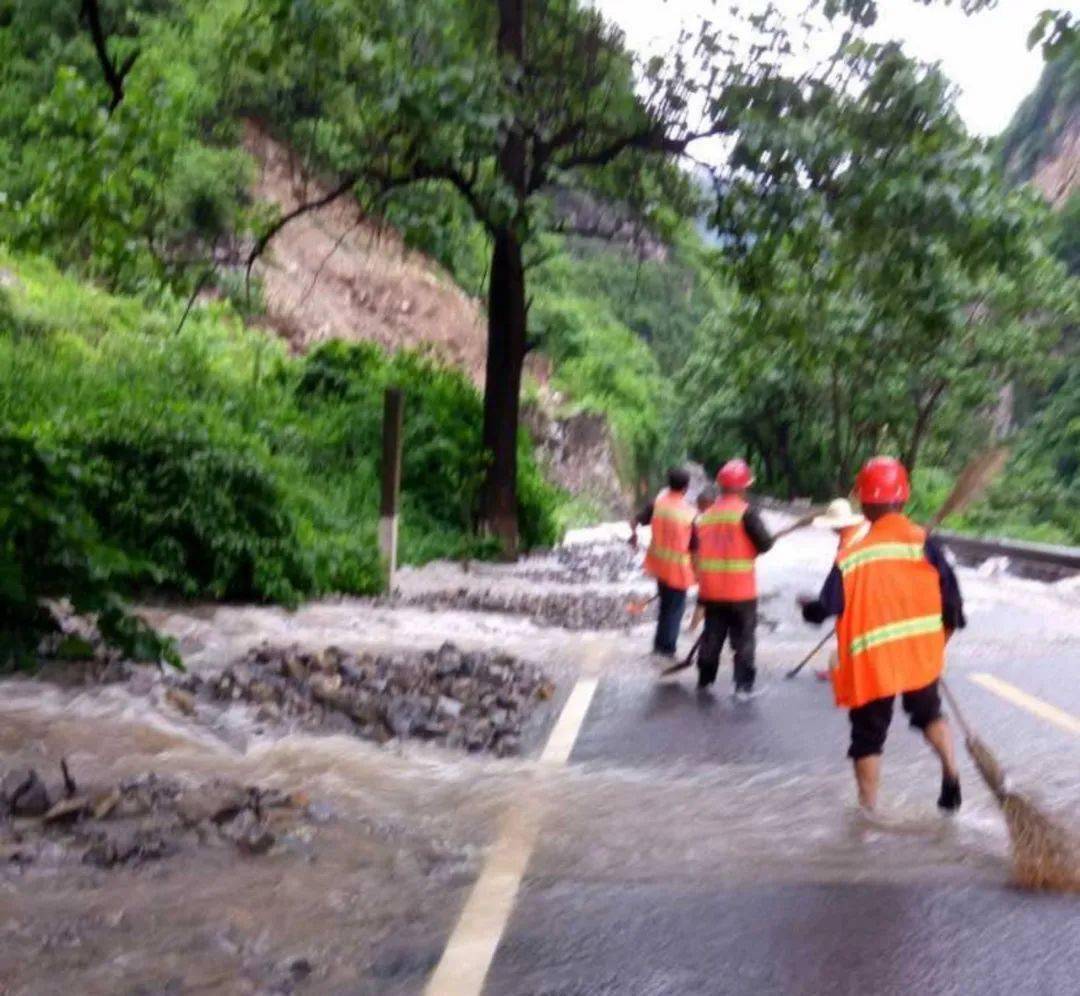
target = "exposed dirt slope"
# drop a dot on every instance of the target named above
(334, 274)
(1058, 174)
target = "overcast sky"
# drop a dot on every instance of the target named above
(985, 55)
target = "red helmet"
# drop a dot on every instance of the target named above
(735, 475)
(883, 481)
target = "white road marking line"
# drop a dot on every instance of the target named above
(561, 741)
(471, 949)
(1052, 714)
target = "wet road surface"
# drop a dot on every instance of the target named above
(732, 860)
(653, 841)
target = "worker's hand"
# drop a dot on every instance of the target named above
(633, 539)
(802, 600)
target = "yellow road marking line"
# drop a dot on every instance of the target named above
(469, 952)
(1037, 707)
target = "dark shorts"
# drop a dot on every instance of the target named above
(870, 722)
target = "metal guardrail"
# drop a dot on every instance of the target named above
(1041, 561)
(1032, 560)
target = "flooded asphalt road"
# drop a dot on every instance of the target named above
(656, 842)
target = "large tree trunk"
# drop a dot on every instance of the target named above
(506, 313)
(502, 388)
(923, 416)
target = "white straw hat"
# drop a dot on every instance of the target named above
(838, 515)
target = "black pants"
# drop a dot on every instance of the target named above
(672, 606)
(870, 722)
(724, 620)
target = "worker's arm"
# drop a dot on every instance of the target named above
(643, 518)
(829, 603)
(757, 531)
(952, 602)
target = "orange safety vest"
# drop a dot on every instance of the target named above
(668, 558)
(890, 636)
(725, 553)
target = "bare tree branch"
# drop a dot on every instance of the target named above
(264, 240)
(655, 138)
(114, 76)
(387, 182)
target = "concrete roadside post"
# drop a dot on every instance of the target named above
(393, 407)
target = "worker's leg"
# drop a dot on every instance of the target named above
(672, 604)
(867, 779)
(743, 624)
(923, 706)
(712, 642)
(869, 726)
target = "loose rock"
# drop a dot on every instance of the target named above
(472, 700)
(182, 700)
(142, 819)
(570, 610)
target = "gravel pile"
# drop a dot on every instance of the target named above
(584, 562)
(476, 701)
(571, 610)
(140, 820)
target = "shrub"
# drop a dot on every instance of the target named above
(50, 548)
(207, 520)
(207, 463)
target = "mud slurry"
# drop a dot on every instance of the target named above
(365, 878)
(295, 817)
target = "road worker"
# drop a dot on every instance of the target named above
(729, 537)
(668, 558)
(897, 602)
(849, 527)
(706, 496)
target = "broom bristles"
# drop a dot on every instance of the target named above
(973, 480)
(1044, 855)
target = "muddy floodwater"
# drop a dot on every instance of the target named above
(664, 786)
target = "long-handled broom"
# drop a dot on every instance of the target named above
(1045, 855)
(806, 660)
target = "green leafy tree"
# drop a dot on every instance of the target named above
(501, 103)
(890, 280)
(112, 161)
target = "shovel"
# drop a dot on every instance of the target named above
(685, 662)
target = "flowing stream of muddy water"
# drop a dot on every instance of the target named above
(361, 897)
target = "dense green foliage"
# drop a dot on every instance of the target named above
(140, 196)
(50, 548)
(207, 463)
(873, 287)
(891, 285)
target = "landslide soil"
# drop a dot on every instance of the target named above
(334, 273)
